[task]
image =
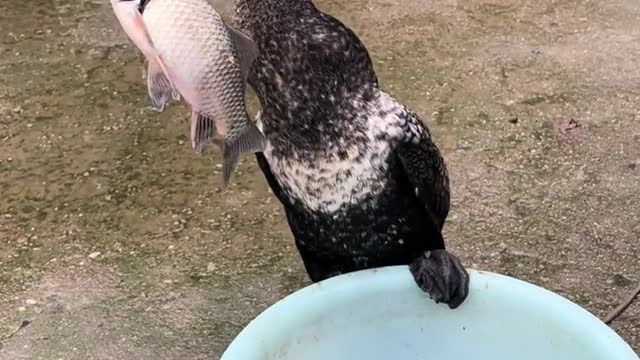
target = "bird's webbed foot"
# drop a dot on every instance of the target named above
(441, 275)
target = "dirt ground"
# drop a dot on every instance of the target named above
(117, 241)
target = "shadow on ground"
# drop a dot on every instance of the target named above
(117, 241)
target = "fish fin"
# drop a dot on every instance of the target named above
(158, 85)
(203, 130)
(246, 48)
(175, 95)
(250, 141)
(165, 70)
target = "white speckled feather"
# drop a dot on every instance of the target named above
(344, 181)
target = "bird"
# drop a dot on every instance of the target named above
(360, 179)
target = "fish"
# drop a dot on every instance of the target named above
(194, 55)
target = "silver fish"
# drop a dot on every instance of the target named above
(192, 53)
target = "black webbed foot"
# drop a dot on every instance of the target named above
(441, 275)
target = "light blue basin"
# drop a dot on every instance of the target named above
(382, 315)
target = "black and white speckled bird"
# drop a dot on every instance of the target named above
(360, 179)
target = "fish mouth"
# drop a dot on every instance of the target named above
(141, 5)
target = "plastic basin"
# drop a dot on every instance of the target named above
(381, 315)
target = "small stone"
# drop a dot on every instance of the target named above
(171, 247)
(31, 302)
(219, 166)
(94, 255)
(22, 309)
(86, 173)
(108, 197)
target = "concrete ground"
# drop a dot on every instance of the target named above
(117, 242)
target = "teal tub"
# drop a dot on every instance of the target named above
(381, 315)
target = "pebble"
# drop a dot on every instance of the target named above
(31, 302)
(22, 309)
(94, 255)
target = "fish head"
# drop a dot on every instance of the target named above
(124, 4)
(136, 4)
(128, 13)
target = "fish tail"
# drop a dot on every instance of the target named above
(251, 140)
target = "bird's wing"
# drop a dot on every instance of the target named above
(425, 170)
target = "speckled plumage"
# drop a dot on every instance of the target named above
(360, 179)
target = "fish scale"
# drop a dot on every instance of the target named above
(200, 34)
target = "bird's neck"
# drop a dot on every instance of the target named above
(269, 5)
(253, 14)
(321, 125)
